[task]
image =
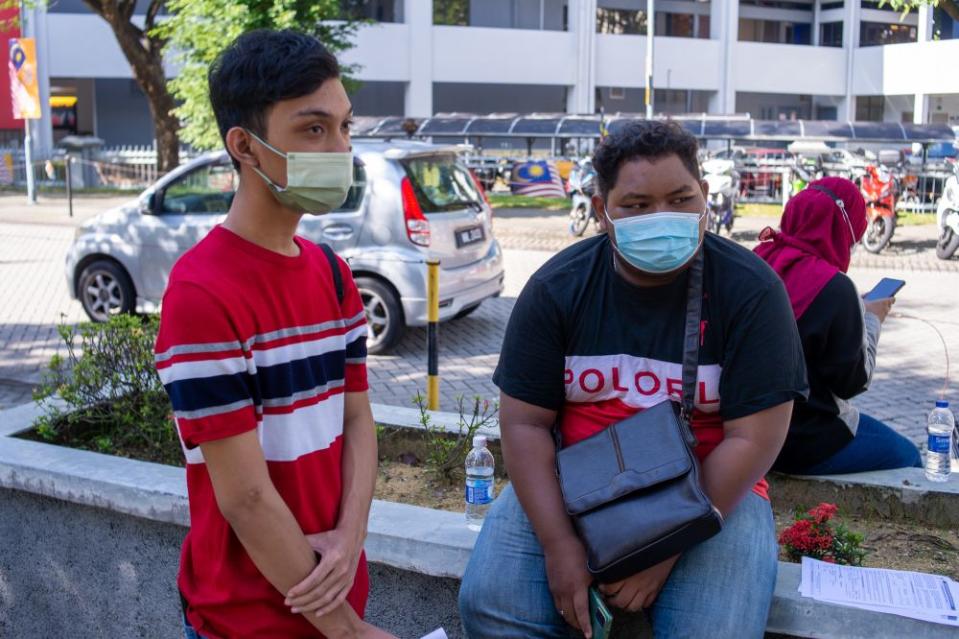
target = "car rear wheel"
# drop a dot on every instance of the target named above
(384, 316)
(105, 290)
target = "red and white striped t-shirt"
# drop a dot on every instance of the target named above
(251, 339)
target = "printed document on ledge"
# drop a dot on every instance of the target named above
(898, 592)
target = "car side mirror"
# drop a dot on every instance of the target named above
(147, 205)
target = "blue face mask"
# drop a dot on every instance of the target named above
(657, 242)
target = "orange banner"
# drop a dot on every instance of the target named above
(24, 90)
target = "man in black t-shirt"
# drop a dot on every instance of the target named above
(596, 336)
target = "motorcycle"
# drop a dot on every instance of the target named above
(879, 189)
(723, 183)
(947, 215)
(581, 186)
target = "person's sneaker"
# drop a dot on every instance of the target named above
(439, 633)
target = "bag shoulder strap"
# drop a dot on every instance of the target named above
(335, 268)
(694, 307)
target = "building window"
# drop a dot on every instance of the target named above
(883, 5)
(873, 34)
(777, 31)
(682, 25)
(375, 10)
(828, 6)
(454, 13)
(943, 26)
(830, 34)
(617, 93)
(620, 21)
(869, 108)
(540, 15)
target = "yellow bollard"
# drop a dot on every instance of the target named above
(432, 334)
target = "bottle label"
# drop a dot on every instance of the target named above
(479, 492)
(939, 443)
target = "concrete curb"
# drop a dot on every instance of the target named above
(410, 538)
(899, 495)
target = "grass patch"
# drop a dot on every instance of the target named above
(507, 201)
(916, 219)
(759, 210)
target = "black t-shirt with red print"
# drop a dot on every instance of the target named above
(583, 341)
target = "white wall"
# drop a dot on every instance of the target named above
(380, 50)
(688, 63)
(83, 46)
(928, 67)
(503, 56)
(788, 68)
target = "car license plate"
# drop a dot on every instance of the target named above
(468, 236)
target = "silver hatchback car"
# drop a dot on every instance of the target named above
(410, 202)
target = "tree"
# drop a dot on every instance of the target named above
(199, 29)
(143, 48)
(951, 7)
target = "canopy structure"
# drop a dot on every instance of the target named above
(560, 125)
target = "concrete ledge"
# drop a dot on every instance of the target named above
(421, 543)
(899, 495)
(402, 417)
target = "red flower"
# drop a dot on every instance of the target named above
(823, 512)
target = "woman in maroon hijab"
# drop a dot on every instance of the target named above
(828, 435)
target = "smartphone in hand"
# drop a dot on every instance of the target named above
(886, 288)
(600, 617)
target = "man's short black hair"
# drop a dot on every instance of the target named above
(263, 67)
(643, 139)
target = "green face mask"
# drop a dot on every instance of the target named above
(316, 183)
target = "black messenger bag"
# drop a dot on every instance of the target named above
(633, 490)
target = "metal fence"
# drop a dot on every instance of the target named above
(120, 167)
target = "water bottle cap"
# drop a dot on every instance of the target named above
(941, 403)
(479, 441)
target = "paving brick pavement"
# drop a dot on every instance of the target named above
(34, 300)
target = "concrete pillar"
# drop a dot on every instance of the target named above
(815, 22)
(419, 89)
(35, 26)
(581, 97)
(724, 26)
(920, 108)
(850, 42)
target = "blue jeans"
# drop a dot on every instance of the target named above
(721, 588)
(188, 631)
(875, 447)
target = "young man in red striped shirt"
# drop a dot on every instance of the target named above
(264, 361)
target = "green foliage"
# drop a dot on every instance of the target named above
(446, 451)
(199, 29)
(451, 12)
(816, 534)
(114, 399)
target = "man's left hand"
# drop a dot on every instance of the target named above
(326, 588)
(639, 591)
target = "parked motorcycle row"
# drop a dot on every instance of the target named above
(881, 187)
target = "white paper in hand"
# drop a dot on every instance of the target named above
(439, 633)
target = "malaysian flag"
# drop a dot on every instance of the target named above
(539, 178)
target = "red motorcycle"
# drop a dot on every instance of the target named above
(880, 191)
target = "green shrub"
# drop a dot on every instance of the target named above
(445, 451)
(115, 402)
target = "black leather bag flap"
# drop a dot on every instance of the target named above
(635, 454)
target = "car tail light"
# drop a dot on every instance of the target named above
(417, 226)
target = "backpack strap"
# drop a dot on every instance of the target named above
(335, 268)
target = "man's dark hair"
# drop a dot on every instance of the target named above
(263, 67)
(643, 139)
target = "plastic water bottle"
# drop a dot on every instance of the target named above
(939, 428)
(479, 482)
